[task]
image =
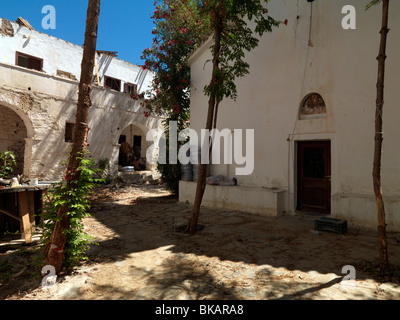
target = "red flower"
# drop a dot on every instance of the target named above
(69, 175)
(286, 22)
(176, 109)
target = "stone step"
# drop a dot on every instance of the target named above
(139, 177)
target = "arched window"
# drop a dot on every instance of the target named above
(312, 106)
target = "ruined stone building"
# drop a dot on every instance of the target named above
(39, 77)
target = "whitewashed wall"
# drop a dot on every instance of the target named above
(341, 65)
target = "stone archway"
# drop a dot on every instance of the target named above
(135, 135)
(14, 136)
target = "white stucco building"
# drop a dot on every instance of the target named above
(310, 98)
(39, 77)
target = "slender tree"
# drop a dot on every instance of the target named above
(232, 37)
(55, 250)
(378, 147)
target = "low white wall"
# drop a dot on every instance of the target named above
(360, 209)
(239, 198)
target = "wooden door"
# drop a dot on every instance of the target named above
(314, 176)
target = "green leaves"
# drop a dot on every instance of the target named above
(76, 196)
(237, 39)
(373, 3)
(7, 163)
(180, 26)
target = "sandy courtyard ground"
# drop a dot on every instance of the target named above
(143, 254)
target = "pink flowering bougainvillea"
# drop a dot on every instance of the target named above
(180, 26)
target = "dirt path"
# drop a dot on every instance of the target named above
(143, 254)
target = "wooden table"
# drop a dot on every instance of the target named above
(25, 210)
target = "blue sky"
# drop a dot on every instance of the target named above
(125, 25)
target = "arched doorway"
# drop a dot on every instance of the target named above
(13, 135)
(135, 136)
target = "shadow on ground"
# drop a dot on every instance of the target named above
(18, 270)
(285, 242)
(143, 253)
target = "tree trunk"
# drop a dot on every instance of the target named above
(55, 251)
(383, 253)
(201, 182)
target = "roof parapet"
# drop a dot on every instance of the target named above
(22, 22)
